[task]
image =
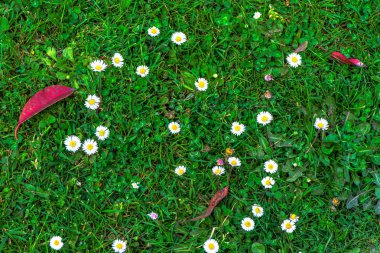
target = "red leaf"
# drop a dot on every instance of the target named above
(41, 100)
(218, 196)
(343, 59)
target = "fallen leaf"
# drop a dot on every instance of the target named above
(301, 48)
(343, 59)
(41, 100)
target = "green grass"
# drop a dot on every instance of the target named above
(89, 201)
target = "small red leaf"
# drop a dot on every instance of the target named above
(218, 196)
(41, 100)
(343, 59)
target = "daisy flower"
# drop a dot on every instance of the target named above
(98, 65)
(294, 60)
(288, 226)
(117, 60)
(220, 161)
(233, 161)
(174, 127)
(178, 38)
(180, 170)
(136, 185)
(102, 132)
(56, 243)
(153, 215)
(268, 77)
(293, 217)
(211, 246)
(90, 147)
(142, 70)
(264, 118)
(321, 124)
(119, 246)
(270, 166)
(257, 15)
(201, 84)
(153, 31)
(92, 102)
(247, 224)
(268, 182)
(257, 210)
(218, 170)
(72, 143)
(237, 128)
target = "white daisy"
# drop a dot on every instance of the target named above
(218, 170)
(119, 246)
(180, 170)
(136, 185)
(102, 132)
(98, 65)
(294, 60)
(257, 15)
(237, 128)
(117, 60)
(178, 38)
(56, 243)
(211, 246)
(153, 31)
(288, 226)
(268, 182)
(264, 118)
(90, 147)
(293, 217)
(270, 166)
(174, 127)
(201, 84)
(247, 224)
(233, 161)
(72, 143)
(257, 210)
(142, 71)
(321, 124)
(92, 102)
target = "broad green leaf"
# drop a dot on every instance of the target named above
(377, 193)
(377, 207)
(68, 53)
(257, 248)
(352, 202)
(4, 25)
(52, 53)
(293, 176)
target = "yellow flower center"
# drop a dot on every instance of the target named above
(237, 128)
(174, 127)
(201, 84)
(90, 147)
(293, 216)
(178, 38)
(264, 118)
(288, 225)
(98, 67)
(270, 166)
(181, 171)
(257, 210)
(247, 224)
(234, 162)
(56, 242)
(153, 30)
(217, 171)
(320, 125)
(268, 182)
(91, 101)
(117, 60)
(211, 246)
(294, 59)
(73, 143)
(101, 132)
(142, 71)
(119, 245)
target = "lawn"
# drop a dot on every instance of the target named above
(89, 200)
